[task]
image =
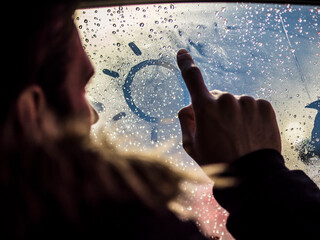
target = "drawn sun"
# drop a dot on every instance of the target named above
(140, 110)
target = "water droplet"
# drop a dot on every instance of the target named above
(170, 20)
(176, 26)
(137, 8)
(141, 24)
(86, 21)
(156, 22)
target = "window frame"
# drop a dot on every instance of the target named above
(106, 3)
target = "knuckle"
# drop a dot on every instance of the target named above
(264, 104)
(247, 102)
(185, 114)
(184, 111)
(265, 108)
(191, 70)
(249, 108)
(247, 99)
(227, 99)
(228, 107)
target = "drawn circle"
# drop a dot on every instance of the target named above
(127, 87)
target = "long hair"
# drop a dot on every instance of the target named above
(70, 180)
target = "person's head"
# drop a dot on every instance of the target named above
(49, 71)
(50, 182)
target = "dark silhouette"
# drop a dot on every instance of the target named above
(54, 182)
(265, 199)
(315, 135)
(309, 148)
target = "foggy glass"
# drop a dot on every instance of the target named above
(262, 50)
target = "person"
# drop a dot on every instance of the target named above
(265, 200)
(55, 182)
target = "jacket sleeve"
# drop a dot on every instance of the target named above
(269, 201)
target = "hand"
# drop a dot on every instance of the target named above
(219, 127)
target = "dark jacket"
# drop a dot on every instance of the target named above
(115, 220)
(271, 201)
(70, 190)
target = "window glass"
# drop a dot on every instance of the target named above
(263, 50)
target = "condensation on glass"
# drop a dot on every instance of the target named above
(266, 51)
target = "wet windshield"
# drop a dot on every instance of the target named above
(264, 50)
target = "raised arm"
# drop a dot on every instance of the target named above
(265, 199)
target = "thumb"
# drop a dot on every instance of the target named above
(188, 127)
(192, 77)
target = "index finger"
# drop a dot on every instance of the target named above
(192, 77)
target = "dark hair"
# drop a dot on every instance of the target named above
(36, 50)
(71, 187)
